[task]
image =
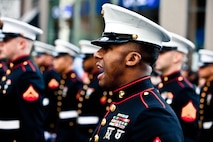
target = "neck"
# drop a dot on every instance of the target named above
(171, 69)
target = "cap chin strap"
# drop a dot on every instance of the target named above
(168, 48)
(117, 36)
(8, 36)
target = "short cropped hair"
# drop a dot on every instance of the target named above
(148, 51)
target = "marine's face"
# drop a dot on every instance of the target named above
(112, 60)
(39, 60)
(206, 71)
(8, 49)
(164, 61)
(89, 64)
(59, 64)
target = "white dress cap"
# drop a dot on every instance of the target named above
(123, 25)
(41, 47)
(180, 43)
(206, 57)
(18, 27)
(62, 47)
(87, 47)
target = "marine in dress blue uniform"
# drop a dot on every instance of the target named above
(206, 100)
(93, 98)
(42, 55)
(69, 86)
(175, 88)
(21, 94)
(137, 112)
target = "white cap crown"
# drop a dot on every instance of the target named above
(206, 57)
(122, 21)
(87, 47)
(62, 46)
(182, 44)
(41, 47)
(18, 27)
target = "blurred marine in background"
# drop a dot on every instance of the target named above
(22, 88)
(42, 55)
(206, 95)
(175, 88)
(69, 86)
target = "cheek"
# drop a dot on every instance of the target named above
(10, 51)
(114, 67)
(85, 64)
(39, 60)
(55, 63)
(203, 72)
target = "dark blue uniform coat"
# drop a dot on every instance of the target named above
(181, 95)
(21, 115)
(92, 105)
(138, 113)
(69, 86)
(206, 112)
(51, 79)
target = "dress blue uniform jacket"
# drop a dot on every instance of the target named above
(181, 95)
(51, 79)
(21, 115)
(70, 85)
(138, 113)
(91, 107)
(206, 112)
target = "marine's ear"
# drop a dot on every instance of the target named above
(22, 42)
(133, 58)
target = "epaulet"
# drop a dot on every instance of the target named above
(24, 66)
(145, 98)
(183, 82)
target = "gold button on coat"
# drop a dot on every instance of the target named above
(112, 108)
(160, 85)
(165, 78)
(96, 138)
(180, 78)
(103, 122)
(121, 94)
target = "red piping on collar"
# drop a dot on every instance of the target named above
(134, 82)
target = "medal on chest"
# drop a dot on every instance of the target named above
(117, 126)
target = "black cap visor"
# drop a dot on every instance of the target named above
(166, 48)
(203, 64)
(59, 54)
(113, 38)
(4, 37)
